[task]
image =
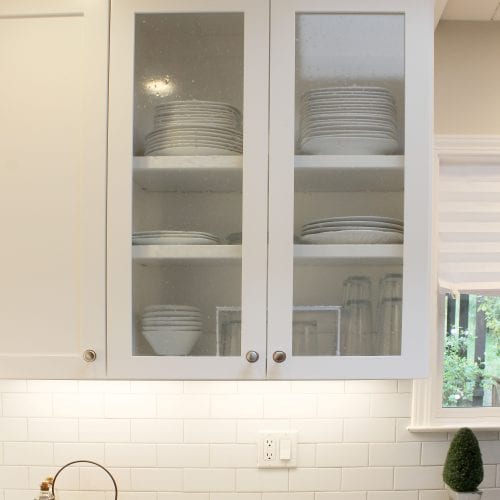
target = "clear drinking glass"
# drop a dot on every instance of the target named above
(357, 334)
(389, 328)
(356, 288)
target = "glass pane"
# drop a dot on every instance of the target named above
(349, 182)
(471, 364)
(187, 196)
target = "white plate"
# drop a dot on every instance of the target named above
(347, 228)
(351, 88)
(195, 140)
(187, 240)
(192, 151)
(156, 234)
(358, 134)
(340, 225)
(162, 316)
(195, 104)
(372, 218)
(354, 237)
(171, 307)
(350, 145)
(171, 323)
(170, 329)
(313, 129)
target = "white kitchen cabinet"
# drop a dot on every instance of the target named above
(271, 306)
(53, 63)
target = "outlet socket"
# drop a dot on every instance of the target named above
(272, 446)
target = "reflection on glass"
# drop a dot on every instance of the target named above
(228, 331)
(188, 104)
(316, 330)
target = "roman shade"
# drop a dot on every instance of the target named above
(469, 225)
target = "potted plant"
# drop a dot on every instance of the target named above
(463, 468)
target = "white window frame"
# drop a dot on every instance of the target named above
(427, 411)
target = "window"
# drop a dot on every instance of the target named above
(464, 383)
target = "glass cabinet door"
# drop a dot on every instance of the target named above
(187, 227)
(350, 188)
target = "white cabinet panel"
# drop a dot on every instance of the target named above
(53, 58)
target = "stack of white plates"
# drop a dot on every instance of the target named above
(191, 128)
(171, 330)
(173, 238)
(355, 229)
(348, 120)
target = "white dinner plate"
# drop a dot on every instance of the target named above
(352, 224)
(354, 237)
(192, 151)
(171, 307)
(187, 240)
(374, 218)
(349, 145)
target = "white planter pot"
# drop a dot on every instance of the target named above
(464, 495)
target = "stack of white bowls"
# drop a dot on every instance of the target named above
(194, 128)
(171, 330)
(348, 120)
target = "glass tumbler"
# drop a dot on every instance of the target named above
(357, 334)
(389, 327)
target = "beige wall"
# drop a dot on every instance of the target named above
(467, 77)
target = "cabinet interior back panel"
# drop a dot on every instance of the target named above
(41, 142)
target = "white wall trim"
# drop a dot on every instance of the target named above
(427, 413)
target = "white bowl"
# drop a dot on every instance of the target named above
(173, 343)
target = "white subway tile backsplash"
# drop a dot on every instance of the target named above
(14, 477)
(156, 387)
(314, 479)
(210, 431)
(209, 387)
(394, 454)
(318, 430)
(392, 495)
(343, 405)
(196, 440)
(67, 452)
(184, 406)
(183, 455)
(290, 405)
(28, 453)
(248, 430)
(434, 453)
(104, 430)
(157, 430)
(264, 387)
(27, 404)
(53, 429)
(130, 406)
(342, 455)
(130, 455)
(151, 479)
(490, 451)
(418, 478)
(306, 455)
(366, 430)
(390, 405)
(79, 405)
(367, 478)
(340, 495)
(319, 386)
(93, 478)
(209, 480)
(371, 386)
(233, 455)
(236, 406)
(264, 480)
(13, 429)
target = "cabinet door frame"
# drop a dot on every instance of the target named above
(418, 291)
(89, 332)
(122, 362)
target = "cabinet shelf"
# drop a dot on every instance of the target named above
(160, 255)
(349, 173)
(347, 254)
(189, 173)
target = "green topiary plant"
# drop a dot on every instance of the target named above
(463, 468)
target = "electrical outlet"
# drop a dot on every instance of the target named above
(277, 449)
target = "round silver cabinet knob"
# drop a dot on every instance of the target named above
(252, 356)
(279, 356)
(89, 355)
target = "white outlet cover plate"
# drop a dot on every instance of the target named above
(276, 437)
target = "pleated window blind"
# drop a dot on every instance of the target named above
(469, 227)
